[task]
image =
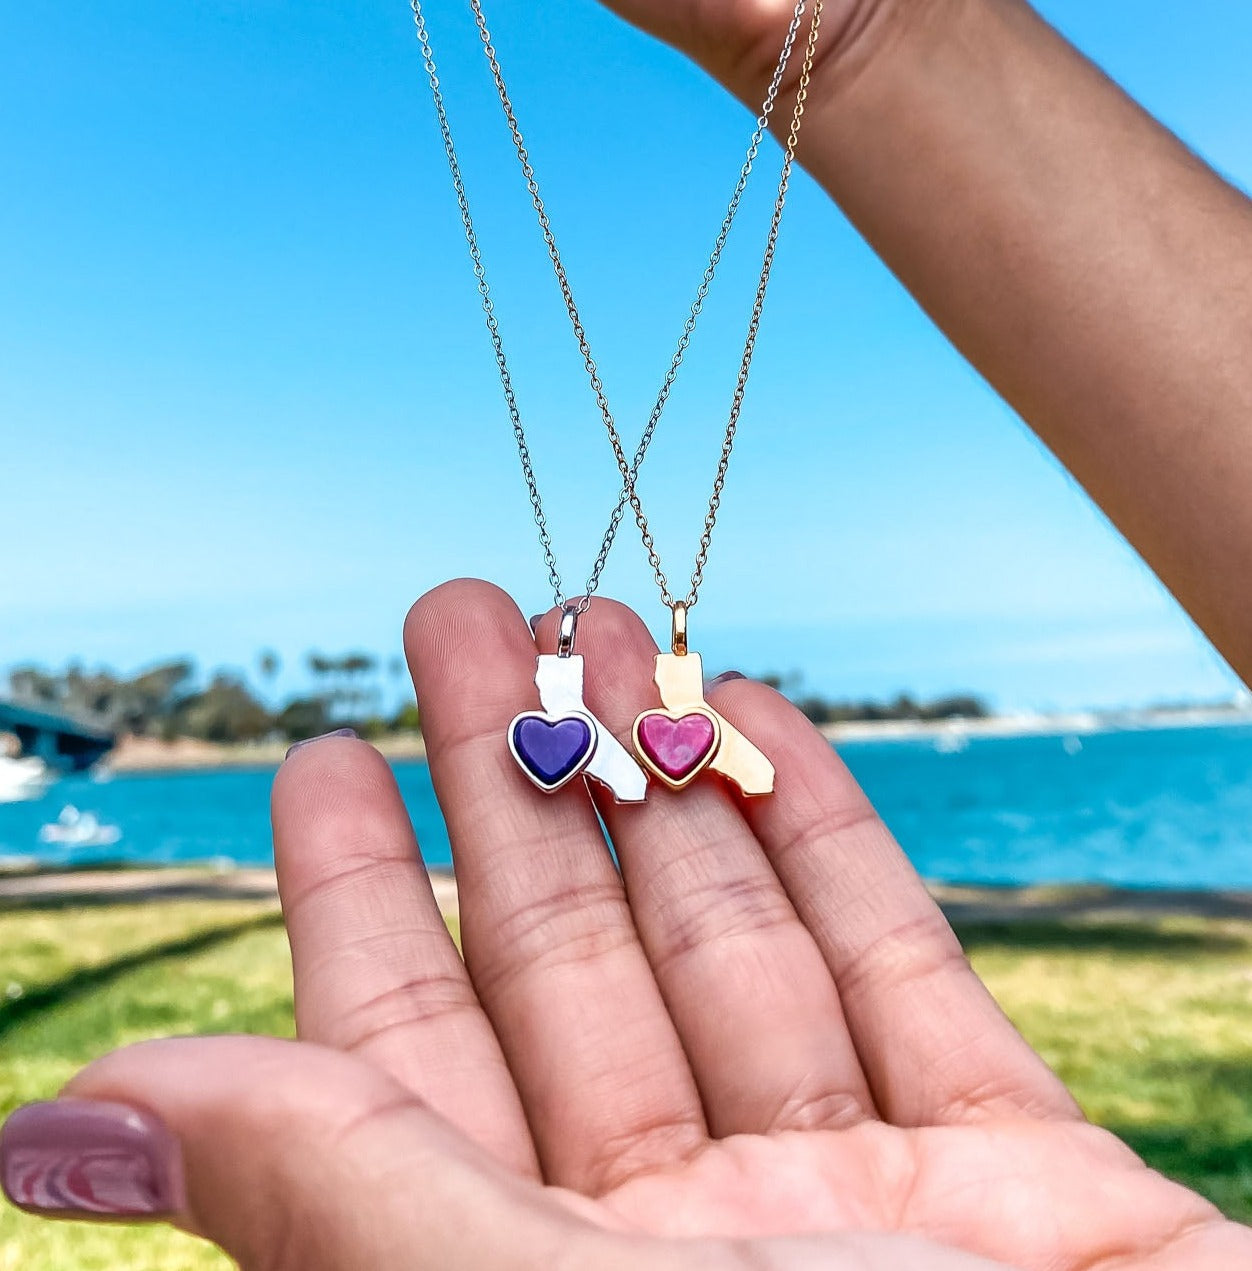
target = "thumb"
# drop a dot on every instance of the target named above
(287, 1155)
(293, 1157)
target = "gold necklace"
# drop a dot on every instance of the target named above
(686, 736)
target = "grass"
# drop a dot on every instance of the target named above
(1147, 1023)
(91, 979)
(1145, 1019)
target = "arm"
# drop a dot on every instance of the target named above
(1092, 268)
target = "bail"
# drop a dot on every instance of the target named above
(569, 629)
(680, 628)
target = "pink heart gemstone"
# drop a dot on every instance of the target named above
(678, 747)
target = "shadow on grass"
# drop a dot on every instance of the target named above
(1091, 903)
(1034, 936)
(1214, 1163)
(1213, 1152)
(1190, 1150)
(79, 983)
(142, 893)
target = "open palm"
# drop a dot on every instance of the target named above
(758, 1045)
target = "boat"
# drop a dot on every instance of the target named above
(79, 829)
(951, 740)
(23, 779)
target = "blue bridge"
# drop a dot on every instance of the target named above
(63, 743)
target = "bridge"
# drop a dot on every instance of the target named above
(62, 742)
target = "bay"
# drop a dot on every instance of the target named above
(1155, 808)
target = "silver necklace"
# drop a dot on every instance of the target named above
(555, 745)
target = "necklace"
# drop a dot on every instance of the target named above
(563, 740)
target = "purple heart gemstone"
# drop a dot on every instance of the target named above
(551, 751)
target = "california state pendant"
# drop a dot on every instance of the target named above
(564, 740)
(688, 736)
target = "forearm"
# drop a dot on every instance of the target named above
(1096, 272)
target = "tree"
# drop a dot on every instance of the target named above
(226, 711)
(407, 719)
(303, 717)
(904, 706)
(31, 684)
(152, 696)
(958, 706)
(346, 695)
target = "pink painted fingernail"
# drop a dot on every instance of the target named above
(310, 741)
(75, 1158)
(534, 623)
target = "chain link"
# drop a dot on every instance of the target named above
(630, 472)
(628, 468)
(484, 291)
(758, 308)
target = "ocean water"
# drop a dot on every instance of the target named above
(1159, 808)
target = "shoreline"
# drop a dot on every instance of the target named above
(40, 888)
(185, 754)
(151, 755)
(1066, 724)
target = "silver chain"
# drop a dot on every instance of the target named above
(629, 469)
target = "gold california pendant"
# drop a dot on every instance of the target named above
(687, 735)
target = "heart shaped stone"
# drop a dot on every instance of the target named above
(676, 747)
(551, 751)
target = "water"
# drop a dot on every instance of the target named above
(1161, 808)
(1164, 808)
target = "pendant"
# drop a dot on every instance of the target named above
(687, 736)
(564, 740)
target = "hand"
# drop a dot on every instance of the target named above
(738, 41)
(759, 1047)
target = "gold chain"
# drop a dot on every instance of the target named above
(629, 470)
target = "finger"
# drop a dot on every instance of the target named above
(547, 933)
(745, 983)
(287, 1155)
(376, 972)
(935, 1046)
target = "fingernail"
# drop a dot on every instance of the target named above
(534, 623)
(725, 678)
(310, 741)
(75, 1158)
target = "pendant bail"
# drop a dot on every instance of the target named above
(569, 629)
(680, 628)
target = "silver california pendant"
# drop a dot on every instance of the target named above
(565, 740)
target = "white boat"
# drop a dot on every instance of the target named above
(953, 740)
(79, 829)
(23, 779)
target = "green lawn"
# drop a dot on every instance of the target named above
(1147, 1020)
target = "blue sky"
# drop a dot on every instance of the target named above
(246, 399)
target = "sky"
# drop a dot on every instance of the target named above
(247, 400)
